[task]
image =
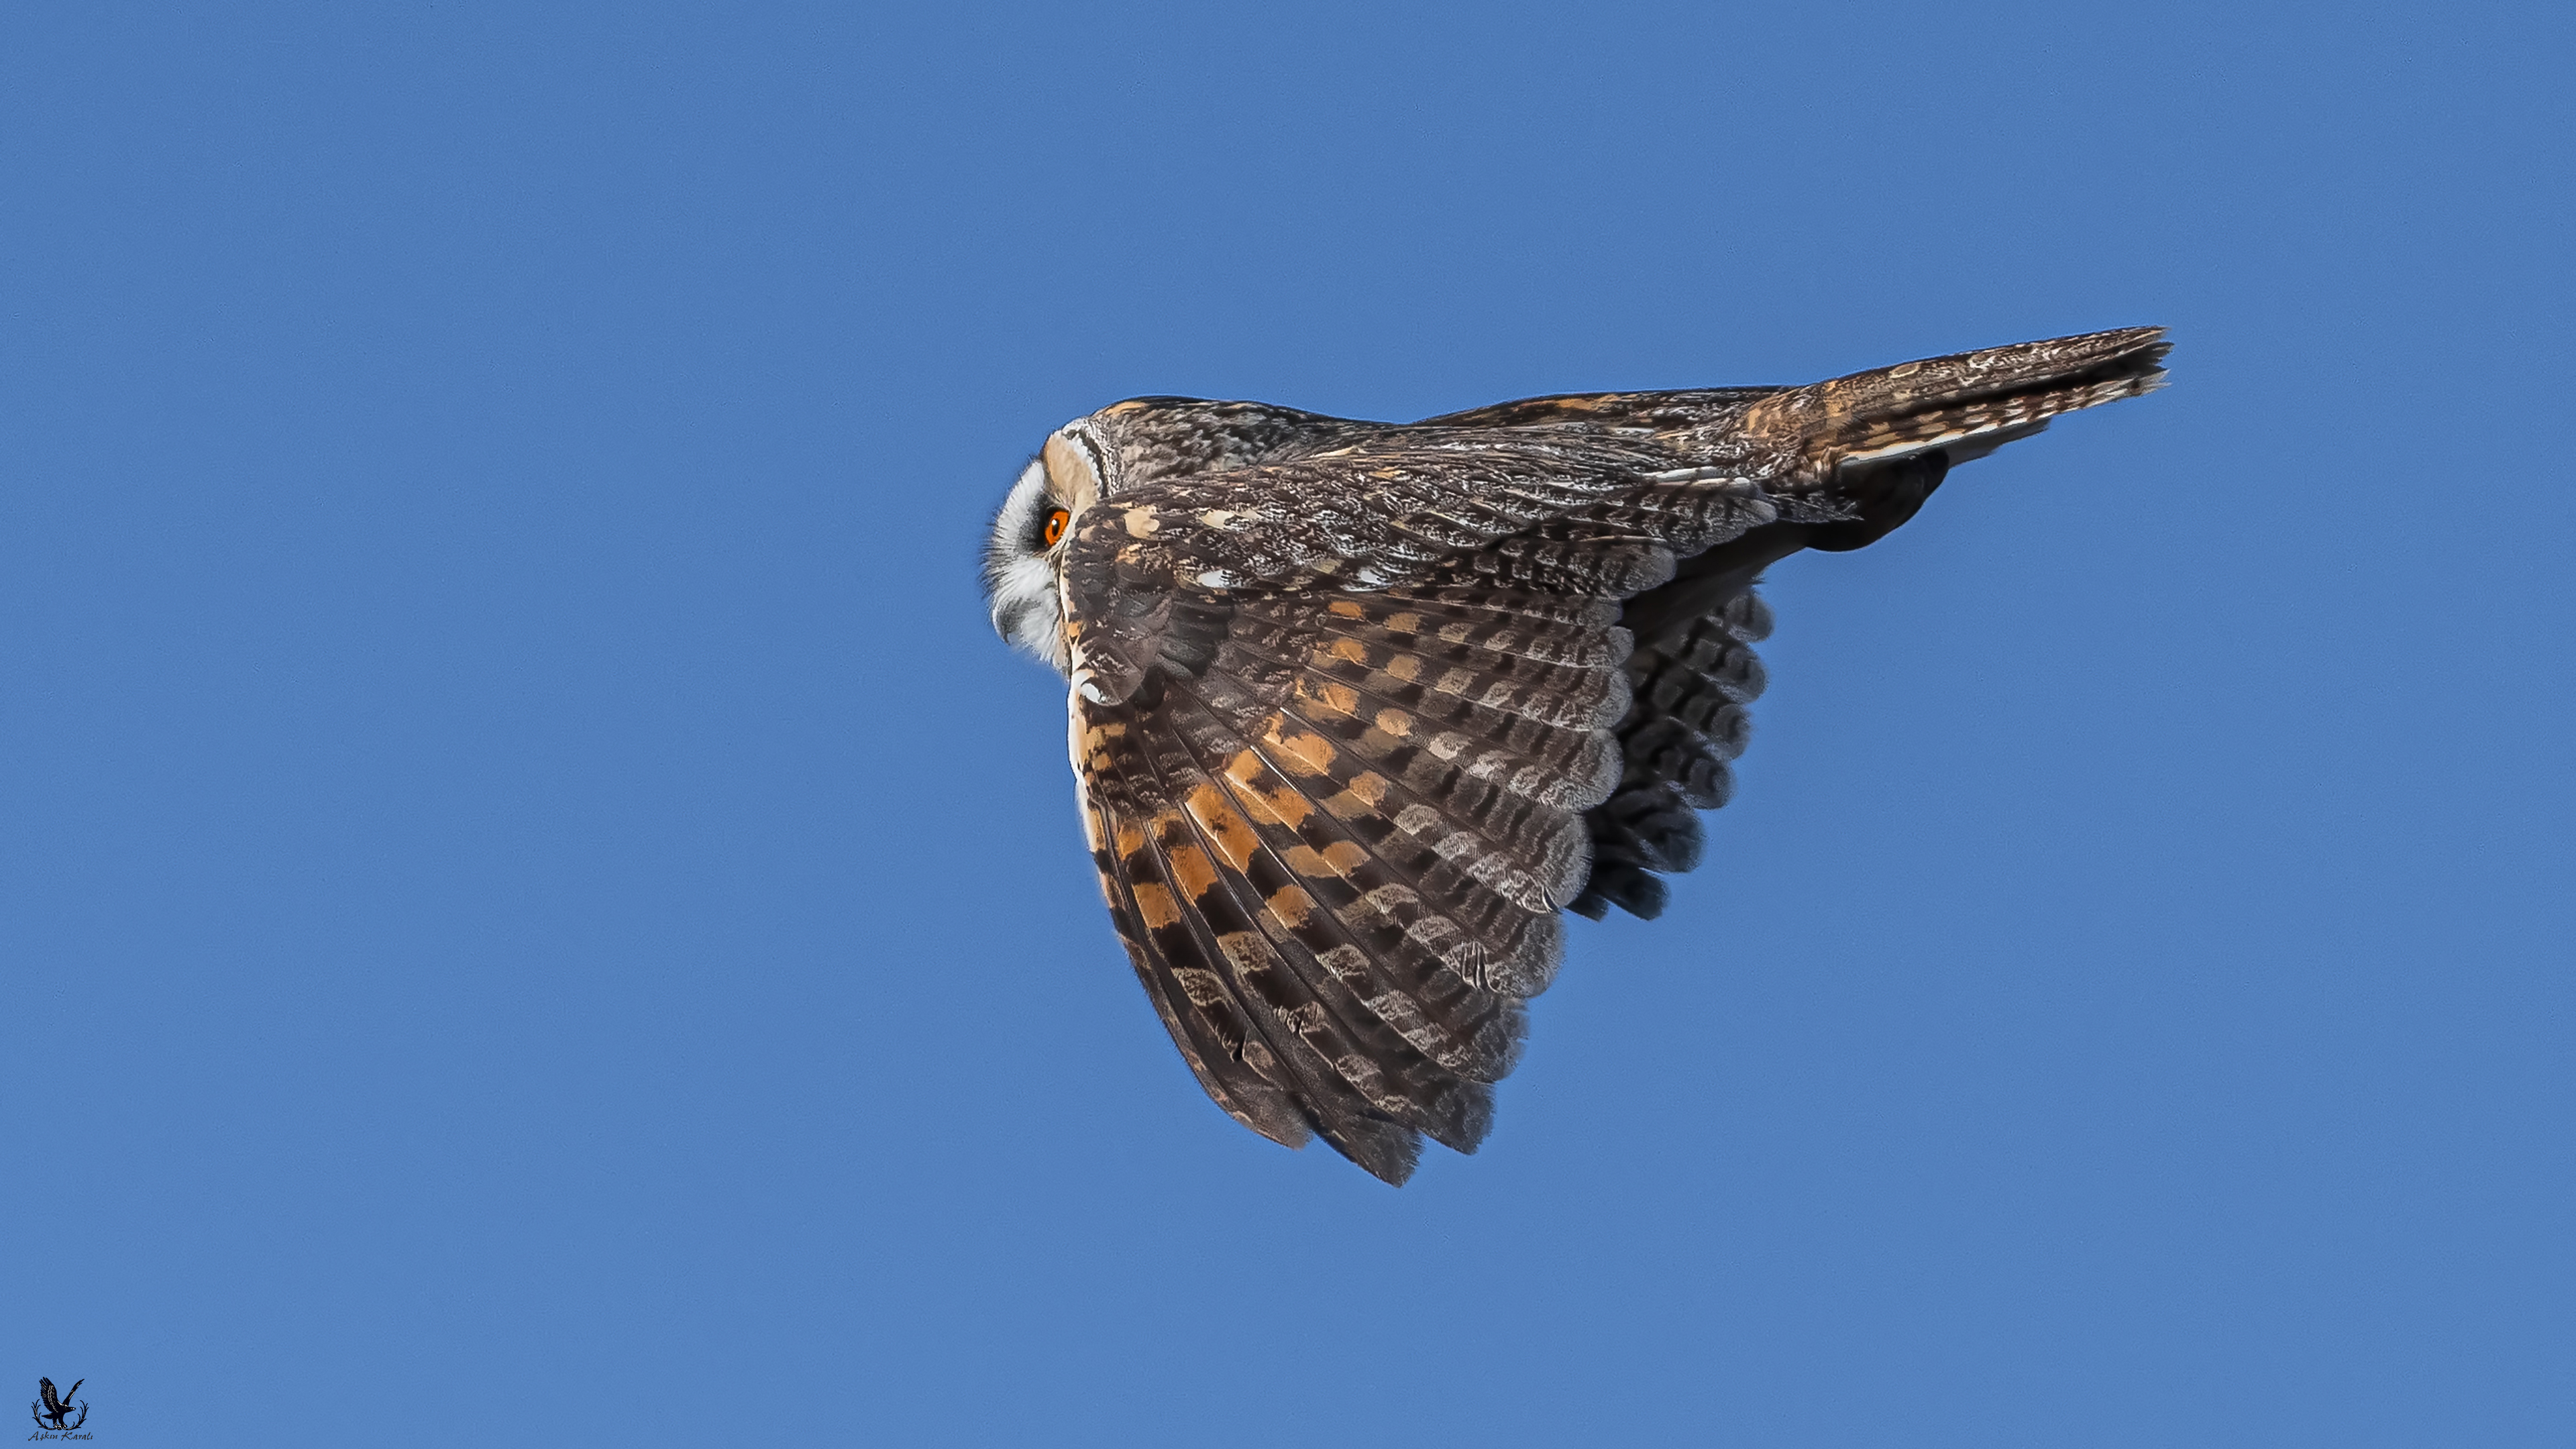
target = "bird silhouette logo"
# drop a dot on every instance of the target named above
(55, 1410)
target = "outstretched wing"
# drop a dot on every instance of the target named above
(1336, 852)
(1352, 725)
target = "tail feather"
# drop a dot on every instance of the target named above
(1964, 401)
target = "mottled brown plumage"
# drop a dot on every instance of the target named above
(1359, 708)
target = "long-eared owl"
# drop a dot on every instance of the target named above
(1357, 709)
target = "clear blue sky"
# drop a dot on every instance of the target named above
(537, 912)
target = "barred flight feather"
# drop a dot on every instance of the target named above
(1204, 1021)
(1406, 1063)
(1369, 881)
(1293, 1043)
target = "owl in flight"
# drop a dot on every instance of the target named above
(1357, 708)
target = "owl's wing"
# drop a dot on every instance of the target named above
(1336, 852)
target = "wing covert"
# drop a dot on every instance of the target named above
(1561, 511)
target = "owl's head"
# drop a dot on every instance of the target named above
(1023, 560)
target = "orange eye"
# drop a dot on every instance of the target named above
(1055, 522)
